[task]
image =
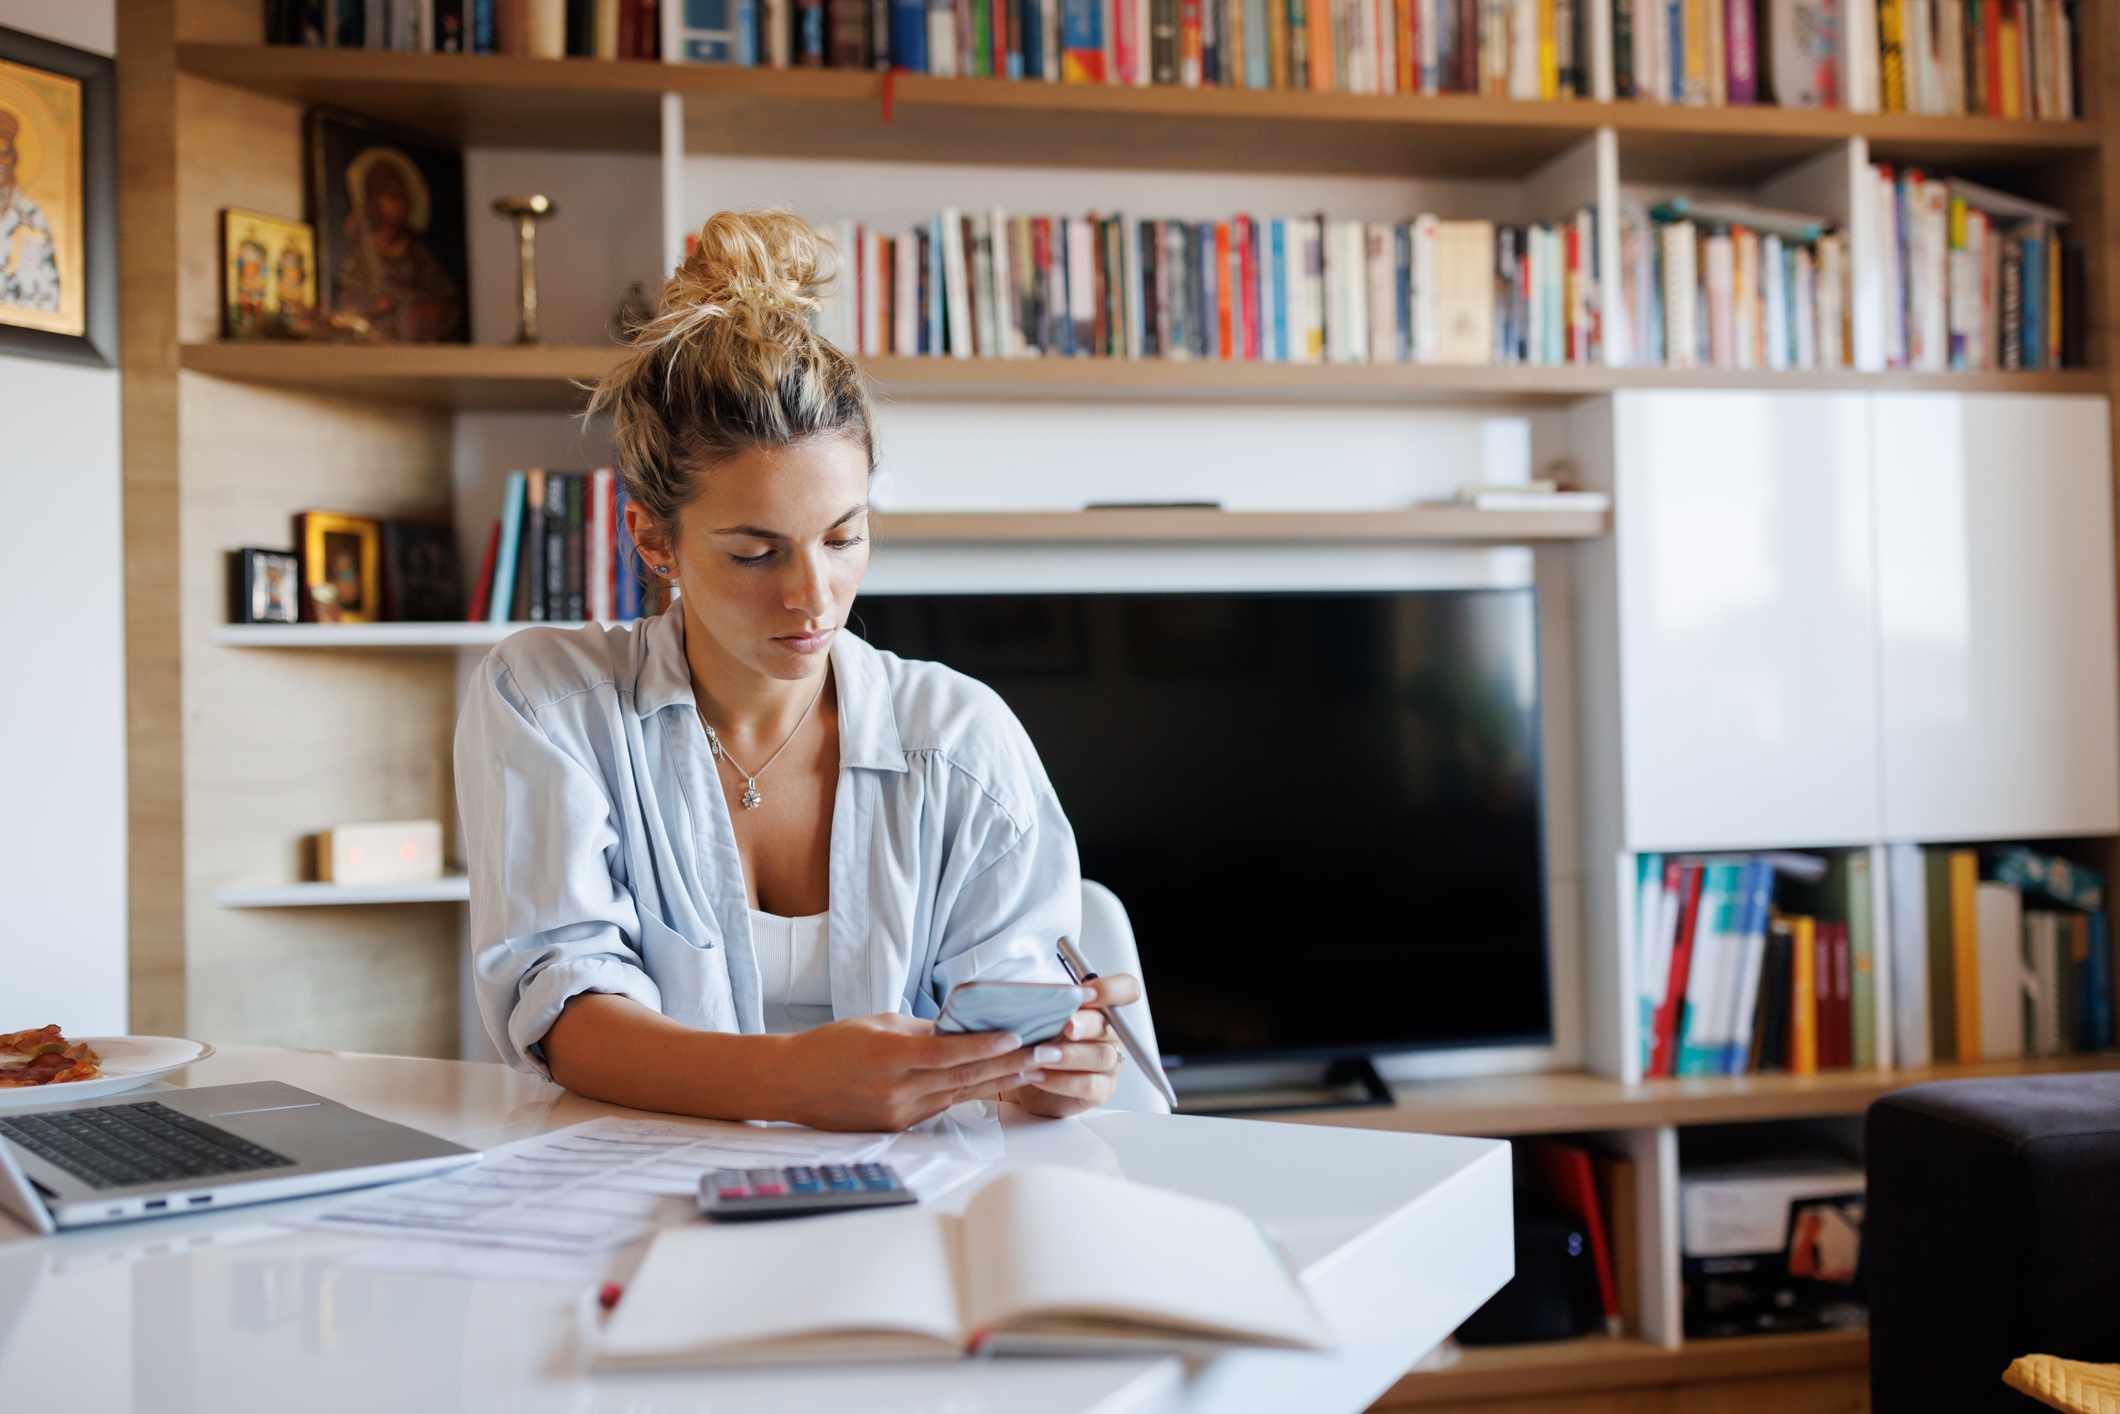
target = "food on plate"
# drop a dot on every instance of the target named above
(45, 1057)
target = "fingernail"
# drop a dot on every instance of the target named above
(1007, 1041)
(1045, 1055)
(1030, 1077)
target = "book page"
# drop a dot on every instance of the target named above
(809, 1288)
(1064, 1251)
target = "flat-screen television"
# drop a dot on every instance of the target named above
(1320, 809)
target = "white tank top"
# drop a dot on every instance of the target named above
(794, 970)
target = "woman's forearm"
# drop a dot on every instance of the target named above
(614, 1049)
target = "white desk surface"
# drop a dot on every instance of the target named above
(1398, 1238)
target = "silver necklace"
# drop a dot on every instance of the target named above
(751, 798)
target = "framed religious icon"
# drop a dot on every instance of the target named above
(388, 208)
(268, 274)
(58, 201)
(342, 575)
(261, 586)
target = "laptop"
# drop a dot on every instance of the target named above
(147, 1154)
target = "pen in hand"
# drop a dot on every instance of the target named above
(1079, 971)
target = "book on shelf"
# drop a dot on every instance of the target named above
(548, 29)
(1308, 289)
(1975, 278)
(1170, 1273)
(2002, 952)
(1721, 284)
(559, 552)
(1755, 963)
(1940, 58)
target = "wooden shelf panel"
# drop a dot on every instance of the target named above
(1500, 1106)
(452, 889)
(1602, 1362)
(466, 377)
(506, 101)
(471, 377)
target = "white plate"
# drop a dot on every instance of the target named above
(128, 1062)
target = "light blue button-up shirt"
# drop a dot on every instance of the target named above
(602, 858)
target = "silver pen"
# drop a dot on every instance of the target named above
(1080, 972)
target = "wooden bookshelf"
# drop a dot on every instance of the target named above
(1603, 1363)
(472, 377)
(615, 104)
(231, 754)
(1507, 1105)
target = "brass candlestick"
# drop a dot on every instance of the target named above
(527, 211)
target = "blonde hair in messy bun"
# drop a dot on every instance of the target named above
(730, 363)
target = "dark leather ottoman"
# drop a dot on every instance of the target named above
(1992, 1230)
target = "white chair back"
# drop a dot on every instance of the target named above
(1107, 943)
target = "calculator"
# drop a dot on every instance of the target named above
(729, 1195)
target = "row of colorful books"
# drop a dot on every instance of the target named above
(1733, 982)
(2002, 58)
(1723, 285)
(1974, 278)
(1998, 954)
(1296, 290)
(548, 29)
(2005, 58)
(1522, 48)
(559, 552)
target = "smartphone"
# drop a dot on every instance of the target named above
(1033, 1010)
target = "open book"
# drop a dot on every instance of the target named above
(1043, 1259)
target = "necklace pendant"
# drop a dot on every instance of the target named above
(751, 798)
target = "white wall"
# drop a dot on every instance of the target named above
(62, 732)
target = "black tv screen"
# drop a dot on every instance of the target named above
(1321, 810)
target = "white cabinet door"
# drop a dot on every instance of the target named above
(1995, 603)
(1743, 547)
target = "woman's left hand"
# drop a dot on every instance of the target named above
(1084, 1058)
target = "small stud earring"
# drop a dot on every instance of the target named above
(662, 569)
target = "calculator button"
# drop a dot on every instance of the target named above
(768, 1190)
(805, 1185)
(879, 1185)
(833, 1171)
(801, 1173)
(731, 1190)
(762, 1175)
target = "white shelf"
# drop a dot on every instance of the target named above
(449, 635)
(454, 888)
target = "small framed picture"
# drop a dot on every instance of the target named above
(261, 587)
(421, 580)
(268, 274)
(388, 207)
(341, 577)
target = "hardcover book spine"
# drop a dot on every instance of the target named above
(534, 542)
(1743, 56)
(847, 37)
(909, 35)
(1082, 41)
(552, 546)
(577, 545)
(501, 594)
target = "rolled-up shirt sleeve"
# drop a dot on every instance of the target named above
(550, 915)
(1023, 895)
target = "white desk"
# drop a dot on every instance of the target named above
(1397, 1236)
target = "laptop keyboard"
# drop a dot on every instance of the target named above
(117, 1146)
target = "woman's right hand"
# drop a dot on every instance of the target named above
(889, 1072)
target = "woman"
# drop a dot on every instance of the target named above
(692, 838)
